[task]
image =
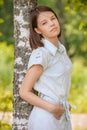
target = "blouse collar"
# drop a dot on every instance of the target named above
(52, 48)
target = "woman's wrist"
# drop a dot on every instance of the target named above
(52, 108)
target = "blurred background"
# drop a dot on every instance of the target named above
(73, 18)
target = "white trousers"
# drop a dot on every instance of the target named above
(40, 119)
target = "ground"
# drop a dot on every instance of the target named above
(79, 121)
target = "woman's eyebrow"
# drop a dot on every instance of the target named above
(47, 17)
(53, 15)
(44, 20)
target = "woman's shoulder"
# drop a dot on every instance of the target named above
(39, 56)
(39, 50)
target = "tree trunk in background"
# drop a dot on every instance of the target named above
(22, 52)
(60, 5)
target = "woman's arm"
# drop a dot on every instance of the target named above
(26, 93)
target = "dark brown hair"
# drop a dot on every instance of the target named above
(35, 38)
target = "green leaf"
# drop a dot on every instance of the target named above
(1, 20)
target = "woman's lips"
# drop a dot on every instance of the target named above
(53, 29)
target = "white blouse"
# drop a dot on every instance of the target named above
(55, 79)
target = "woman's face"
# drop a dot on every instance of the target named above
(48, 25)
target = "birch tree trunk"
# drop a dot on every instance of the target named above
(21, 52)
(60, 5)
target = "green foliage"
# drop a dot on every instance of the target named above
(78, 93)
(5, 126)
(6, 21)
(6, 76)
(1, 2)
(51, 3)
(6, 98)
(75, 28)
(80, 129)
(6, 65)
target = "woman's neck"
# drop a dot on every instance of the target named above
(54, 41)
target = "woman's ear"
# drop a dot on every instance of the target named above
(37, 30)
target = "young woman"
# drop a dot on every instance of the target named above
(49, 73)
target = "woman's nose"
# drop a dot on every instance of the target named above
(51, 23)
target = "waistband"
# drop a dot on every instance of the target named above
(67, 105)
(63, 102)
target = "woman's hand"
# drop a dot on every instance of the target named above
(58, 111)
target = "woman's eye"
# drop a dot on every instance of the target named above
(53, 18)
(44, 23)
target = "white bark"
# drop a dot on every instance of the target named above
(22, 53)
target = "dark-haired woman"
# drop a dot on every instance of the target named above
(49, 73)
